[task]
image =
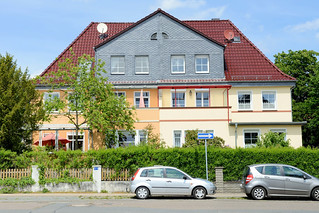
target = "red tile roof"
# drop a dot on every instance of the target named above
(243, 60)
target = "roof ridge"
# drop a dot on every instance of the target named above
(260, 52)
(66, 49)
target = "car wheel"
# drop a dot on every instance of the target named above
(315, 193)
(258, 193)
(142, 192)
(199, 193)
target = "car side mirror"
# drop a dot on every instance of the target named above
(305, 177)
(184, 177)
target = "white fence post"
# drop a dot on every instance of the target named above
(35, 177)
(97, 182)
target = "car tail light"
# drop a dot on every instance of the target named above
(249, 178)
(135, 175)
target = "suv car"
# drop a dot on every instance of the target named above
(268, 180)
(165, 180)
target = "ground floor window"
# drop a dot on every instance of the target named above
(75, 144)
(280, 131)
(127, 138)
(251, 137)
(177, 138)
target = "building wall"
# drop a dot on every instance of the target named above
(181, 41)
(282, 113)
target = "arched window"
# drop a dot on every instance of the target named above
(164, 35)
(154, 36)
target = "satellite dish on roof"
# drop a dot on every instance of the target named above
(102, 29)
(229, 34)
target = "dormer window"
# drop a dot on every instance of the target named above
(154, 36)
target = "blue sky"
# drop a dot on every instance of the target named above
(35, 32)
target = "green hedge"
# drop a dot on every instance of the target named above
(190, 160)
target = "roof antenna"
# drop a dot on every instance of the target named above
(102, 29)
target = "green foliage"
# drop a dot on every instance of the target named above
(153, 139)
(88, 98)
(304, 66)
(21, 106)
(192, 141)
(190, 160)
(10, 185)
(273, 139)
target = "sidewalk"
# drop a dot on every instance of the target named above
(88, 195)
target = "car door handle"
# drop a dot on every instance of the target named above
(267, 177)
(287, 179)
(169, 181)
(148, 180)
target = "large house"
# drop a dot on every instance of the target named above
(203, 75)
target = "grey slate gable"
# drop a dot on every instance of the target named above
(181, 41)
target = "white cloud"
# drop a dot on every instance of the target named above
(173, 4)
(307, 26)
(216, 12)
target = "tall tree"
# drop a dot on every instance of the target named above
(88, 98)
(21, 106)
(304, 66)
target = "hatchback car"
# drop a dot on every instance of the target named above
(269, 180)
(164, 180)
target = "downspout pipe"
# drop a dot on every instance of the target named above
(236, 125)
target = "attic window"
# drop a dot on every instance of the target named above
(236, 39)
(154, 36)
(165, 36)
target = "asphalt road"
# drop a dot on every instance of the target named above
(122, 203)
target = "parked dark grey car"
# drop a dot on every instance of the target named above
(269, 180)
(165, 180)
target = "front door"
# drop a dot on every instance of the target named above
(177, 182)
(296, 182)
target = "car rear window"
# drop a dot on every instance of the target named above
(144, 173)
(272, 170)
(246, 171)
(259, 169)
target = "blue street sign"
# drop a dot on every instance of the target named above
(205, 135)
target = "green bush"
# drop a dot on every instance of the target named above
(190, 160)
(273, 139)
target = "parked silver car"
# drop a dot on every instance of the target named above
(164, 180)
(269, 180)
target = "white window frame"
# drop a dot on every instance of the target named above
(138, 136)
(250, 103)
(202, 99)
(250, 131)
(74, 134)
(117, 93)
(142, 67)
(138, 96)
(46, 97)
(181, 137)
(176, 92)
(275, 101)
(69, 102)
(280, 131)
(174, 58)
(201, 64)
(118, 67)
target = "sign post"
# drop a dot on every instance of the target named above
(205, 136)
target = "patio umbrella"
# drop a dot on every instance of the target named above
(49, 140)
